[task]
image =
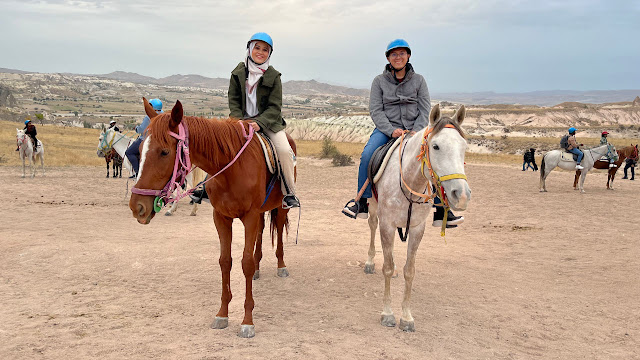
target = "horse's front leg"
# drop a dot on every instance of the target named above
(281, 220)
(387, 232)
(251, 222)
(107, 169)
(369, 266)
(415, 236)
(257, 254)
(576, 178)
(24, 166)
(32, 164)
(612, 176)
(223, 226)
(582, 177)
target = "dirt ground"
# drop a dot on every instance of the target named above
(529, 275)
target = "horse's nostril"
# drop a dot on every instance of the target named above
(141, 209)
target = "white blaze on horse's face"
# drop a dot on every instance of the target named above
(143, 155)
(447, 157)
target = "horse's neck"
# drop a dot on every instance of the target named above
(27, 145)
(412, 162)
(120, 143)
(602, 149)
(201, 154)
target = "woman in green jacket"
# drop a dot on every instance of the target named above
(255, 92)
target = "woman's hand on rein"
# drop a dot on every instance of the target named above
(255, 126)
(396, 133)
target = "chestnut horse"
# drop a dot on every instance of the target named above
(237, 192)
(626, 152)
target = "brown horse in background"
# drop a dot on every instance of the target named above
(626, 152)
(117, 162)
(238, 192)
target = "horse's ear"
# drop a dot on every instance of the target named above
(435, 115)
(149, 109)
(460, 114)
(176, 114)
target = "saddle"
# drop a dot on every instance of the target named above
(270, 154)
(568, 156)
(379, 161)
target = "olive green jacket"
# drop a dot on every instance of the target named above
(268, 95)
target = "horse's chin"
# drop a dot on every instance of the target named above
(147, 220)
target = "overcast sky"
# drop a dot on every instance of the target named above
(458, 45)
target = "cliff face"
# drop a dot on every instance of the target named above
(6, 98)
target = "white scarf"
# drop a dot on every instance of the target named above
(255, 73)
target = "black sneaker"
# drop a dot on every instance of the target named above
(18, 149)
(198, 195)
(452, 220)
(358, 209)
(624, 177)
(290, 201)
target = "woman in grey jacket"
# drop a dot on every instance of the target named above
(399, 101)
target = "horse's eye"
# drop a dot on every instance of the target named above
(436, 147)
(165, 152)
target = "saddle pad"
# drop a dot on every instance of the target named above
(567, 156)
(380, 159)
(270, 155)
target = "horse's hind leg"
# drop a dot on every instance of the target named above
(369, 266)
(415, 236)
(387, 232)
(42, 161)
(281, 221)
(257, 253)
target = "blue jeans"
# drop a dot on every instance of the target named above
(577, 152)
(526, 165)
(133, 154)
(376, 140)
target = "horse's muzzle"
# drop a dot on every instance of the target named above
(458, 194)
(142, 208)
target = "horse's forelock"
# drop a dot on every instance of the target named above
(443, 122)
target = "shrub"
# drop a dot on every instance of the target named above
(87, 125)
(329, 149)
(342, 160)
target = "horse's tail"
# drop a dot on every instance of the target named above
(273, 227)
(542, 167)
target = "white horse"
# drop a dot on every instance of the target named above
(113, 139)
(25, 145)
(446, 148)
(554, 159)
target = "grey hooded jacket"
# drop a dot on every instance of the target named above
(405, 105)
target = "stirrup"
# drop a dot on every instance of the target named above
(347, 205)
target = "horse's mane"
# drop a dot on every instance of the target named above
(440, 124)
(219, 139)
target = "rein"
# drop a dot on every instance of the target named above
(182, 168)
(433, 178)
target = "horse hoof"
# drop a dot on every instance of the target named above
(220, 322)
(283, 272)
(369, 268)
(247, 331)
(192, 214)
(388, 320)
(168, 214)
(256, 275)
(407, 326)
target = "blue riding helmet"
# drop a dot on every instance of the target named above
(156, 104)
(572, 130)
(261, 36)
(397, 43)
(27, 121)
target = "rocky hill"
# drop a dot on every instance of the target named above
(6, 98)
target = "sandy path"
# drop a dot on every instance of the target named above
(529, 275)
